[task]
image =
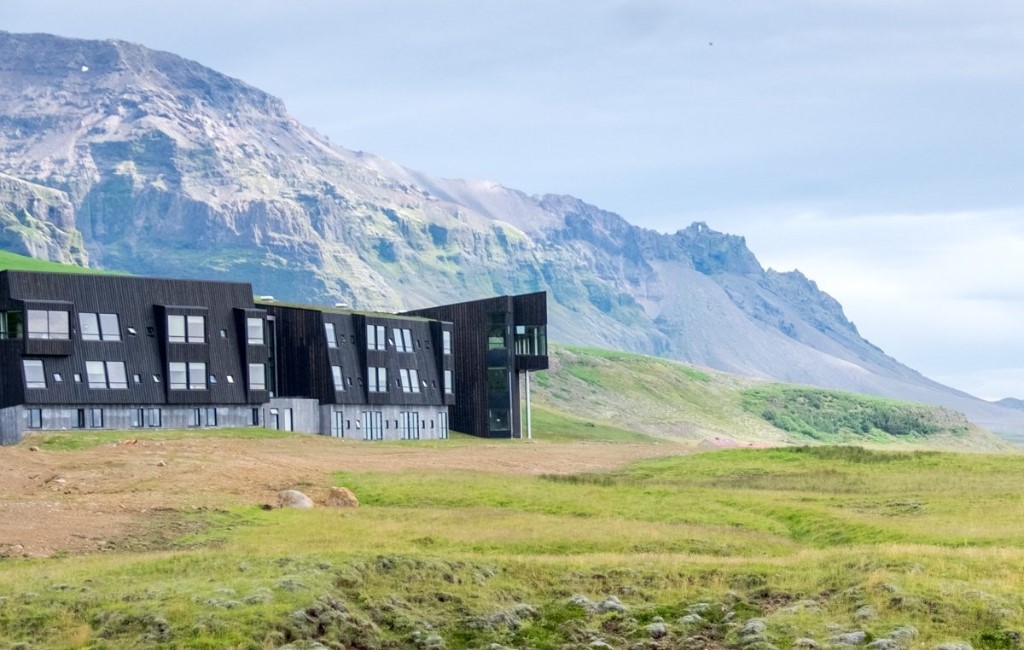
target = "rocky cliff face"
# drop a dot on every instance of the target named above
(126, 158)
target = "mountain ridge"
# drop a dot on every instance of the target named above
(125, 158)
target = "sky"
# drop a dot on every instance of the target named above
(875, 145)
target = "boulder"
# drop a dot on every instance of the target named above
(293, 499)
(342, 497)
(856, 637)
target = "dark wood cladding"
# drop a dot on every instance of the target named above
(141, 304)
(471, 322)
(305, 359)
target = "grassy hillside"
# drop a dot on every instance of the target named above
(763, 546)
(16, 262)
(667, 399)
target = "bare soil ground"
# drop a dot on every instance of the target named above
(83, 501)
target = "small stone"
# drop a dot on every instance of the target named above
(657, 630)
(904, 634)
(293, 499)
(754, 626)
(805, 644)
(690, 619)
(581, 601)
(866, 612)
(342, 497)
(161, 463)
(698, 608)
(954, 645)
(759, 645)
(856, 637)
(599, 644)
(33, 448)
(884, 644)
(610, 604)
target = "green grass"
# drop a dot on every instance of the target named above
(15, 262)
(933, 540)
(556, 426)
(88, 438)
(824, 414)
(667, 399)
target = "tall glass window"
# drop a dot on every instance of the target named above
(531, 340)
(339, 381)
(376, 337)
(332, 337)
(446, 342)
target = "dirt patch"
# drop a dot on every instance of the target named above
(84, 501)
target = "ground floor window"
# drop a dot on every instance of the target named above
(193, 417)
(96, 418)
(498, 420)
(154, 417)
(138, 417)
(373, 425)
(337, 424)
(211, 416)
(442, 424)
(79, 422)
(410, 423)
(254, 417)
(35, 418)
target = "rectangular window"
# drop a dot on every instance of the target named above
(178, 375)
(448, 388)
(175, 328)
(531, 340)
(211, 416)
(96, 374)
(446, 342)
(193, 417)
(337, 424)
(116, 375)
(254, 330)
(377, 379)
(138, 417)
(110, 328)
(197, 376)
(35, 418)
(373, 425)
(196, 329)
(89, 326)
(254, 416)
(154, 417)
(12, 324)
(106, 374)
(442, 424)
(496, 334)
(79, 419)
(498, 420)
(339, 382)
(332, 337)
(376, 337)
(99, 327)
(410, 423)
(96, 418)
(403, 340)
(410, 380)
(186, 329)
(34, 375)
(48, 324)
(257, 376)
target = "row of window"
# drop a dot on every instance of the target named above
(374, 425)
(193, 376)
(376, 338)
(93, 418)
(112, 375)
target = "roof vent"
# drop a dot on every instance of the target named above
(267, 299)
(341, 305)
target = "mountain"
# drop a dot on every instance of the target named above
(125, 158)
(1011, 402)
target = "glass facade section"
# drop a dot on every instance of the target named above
(48, 324)
(531, 340)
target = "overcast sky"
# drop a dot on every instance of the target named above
(876, 145)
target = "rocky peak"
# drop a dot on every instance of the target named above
(715, 252)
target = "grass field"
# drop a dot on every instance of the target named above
(815, 541)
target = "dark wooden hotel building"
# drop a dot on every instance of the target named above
(85, 351)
